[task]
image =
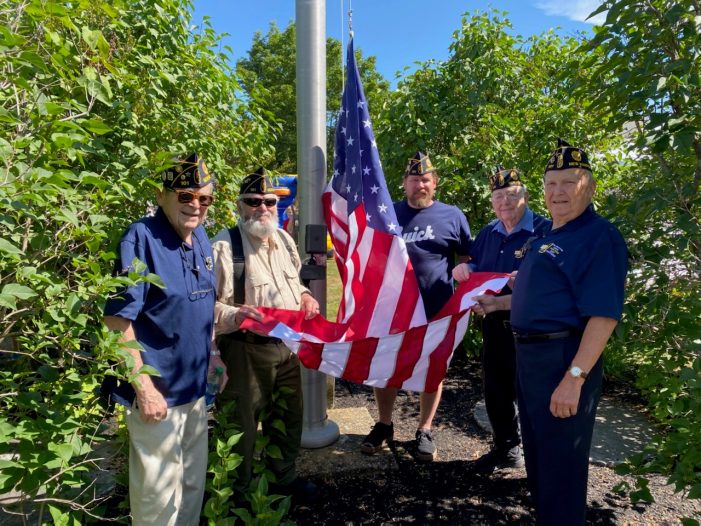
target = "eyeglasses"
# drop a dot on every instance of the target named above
(255, 202)
(185, 197)
(507, 197)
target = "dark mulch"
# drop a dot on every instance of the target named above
(447, 491)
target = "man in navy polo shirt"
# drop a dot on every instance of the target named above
(499, 247)
(165, 415)
(435, 233)
(567, 299)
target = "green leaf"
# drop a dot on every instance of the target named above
(18, 291)
(6, 246)
(96, 126)
(63, 451)
(694, 492)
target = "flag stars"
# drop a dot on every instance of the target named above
(343, 130)
(366, 171)
(367, 217)
(392, 226)
(374, 188)
(366, 123)
(355, 197)
(348, 189)
(361, 103)
(374, 143)
(350, 141)
(382, 208)
(353, 169)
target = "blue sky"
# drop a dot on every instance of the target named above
(397, 32)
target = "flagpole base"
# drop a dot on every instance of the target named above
(322, 436)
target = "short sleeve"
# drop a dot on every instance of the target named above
(599, 285)
(464, 235)
(128, 301)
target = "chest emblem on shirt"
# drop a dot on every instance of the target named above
(418, 235)
(209, 263)
(550, 249)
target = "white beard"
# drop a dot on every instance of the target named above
(260, 229)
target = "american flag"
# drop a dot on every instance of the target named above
(381, 337)
(415, 359)
(380, 292)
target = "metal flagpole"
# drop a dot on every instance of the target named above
(318, 430)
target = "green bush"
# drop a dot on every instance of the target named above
(95, 96)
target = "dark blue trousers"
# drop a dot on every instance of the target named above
(499, 379)
(556, 449)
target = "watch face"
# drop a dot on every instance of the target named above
(576, 371)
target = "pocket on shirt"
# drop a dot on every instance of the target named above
(260, 289)
(292, 279)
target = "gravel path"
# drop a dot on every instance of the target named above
(447, 491)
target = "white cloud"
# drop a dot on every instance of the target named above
(577, 10)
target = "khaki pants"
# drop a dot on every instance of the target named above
(256, 371)
(167, 466)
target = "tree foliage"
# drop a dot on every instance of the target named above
(94, 97)
(268, 77)
(498, 98)
(646, 60)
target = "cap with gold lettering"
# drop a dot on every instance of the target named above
(566, 156)
(503, 178)
(419, 164)
(190, 172)
(256, 183)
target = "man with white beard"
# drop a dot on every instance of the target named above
(257, 265)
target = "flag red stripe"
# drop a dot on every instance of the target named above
(361, 354)
(407, 300)
(309, 353)
(408, 355)
(440, 357)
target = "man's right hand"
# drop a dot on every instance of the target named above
(248, 311)
(151, 404)
(461, 272)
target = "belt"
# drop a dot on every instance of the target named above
(532, 337)
(252, 337)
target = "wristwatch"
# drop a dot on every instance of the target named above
(577, 372)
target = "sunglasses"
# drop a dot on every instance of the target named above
(187, 197)
(255, 202)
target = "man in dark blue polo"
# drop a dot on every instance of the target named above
(499, 247)
(567, 299)
(173, 325)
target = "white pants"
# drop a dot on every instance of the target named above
(167, 466)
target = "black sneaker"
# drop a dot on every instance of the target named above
(303, 492)
(425, 448)
(379, 434)
(497, 459)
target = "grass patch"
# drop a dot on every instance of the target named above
(334, 289)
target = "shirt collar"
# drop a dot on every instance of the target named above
(577, 221)
(526, 223)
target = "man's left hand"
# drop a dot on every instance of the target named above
(309, 305)
(214, 362)
(565, 399)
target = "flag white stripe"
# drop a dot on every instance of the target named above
(384, 362)
(435, 334)
(334, 358)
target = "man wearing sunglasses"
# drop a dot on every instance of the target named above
(165, 414)
(261, 367)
